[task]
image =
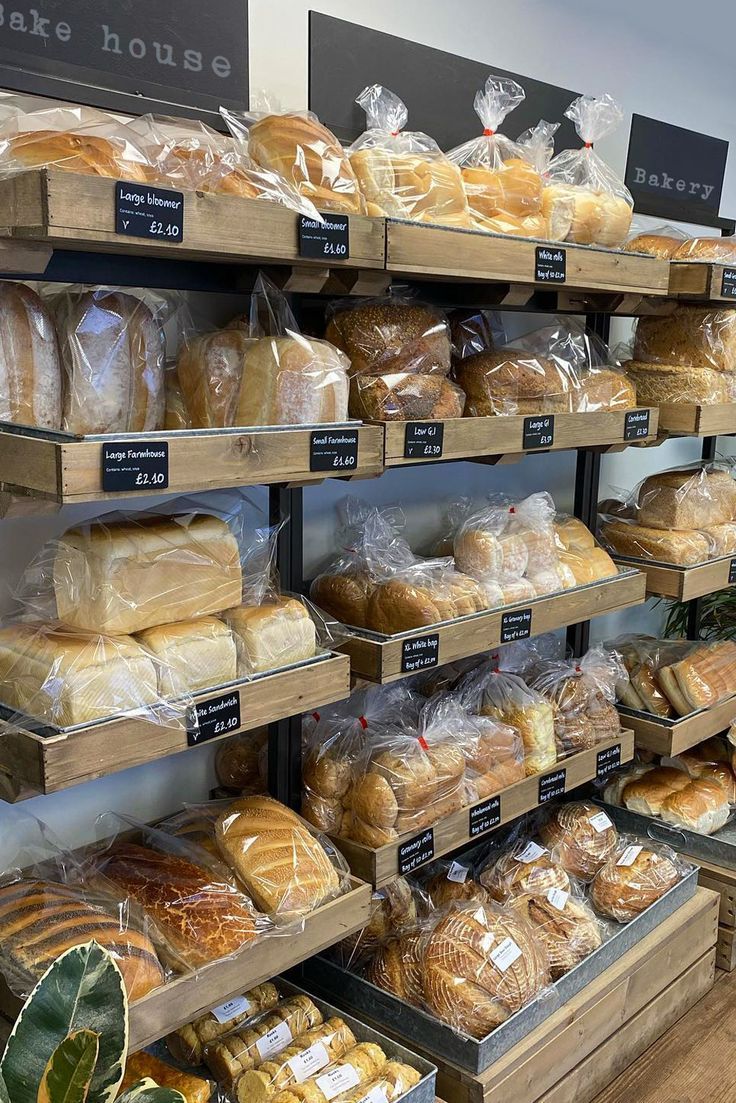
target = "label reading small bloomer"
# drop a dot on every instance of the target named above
(530, 853)
(629, 856)
(505, 954)
(458, 873)
(558, 898)
(232, 1009)
(273, 1042)
(599, 822)
(309, 1061)
(338, 1080)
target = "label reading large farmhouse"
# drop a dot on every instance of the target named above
(143, 465)
(328, 240)
(333, 450)
(482, 817)
(550, 264)
(419, 652)
(539, 431)
(153, 213)
(218, 716)
(516, 625)
(636, 425)
(728, 283)
(423, 440)
(416, 851)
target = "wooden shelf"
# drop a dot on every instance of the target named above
(689, 420)
(378, 866)
(690, 279)
(47, 761)
(65, 469)
(671, 737)
(381, 658)
(682, 583)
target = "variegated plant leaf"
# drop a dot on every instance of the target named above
(148, 1091)
(69, 1071)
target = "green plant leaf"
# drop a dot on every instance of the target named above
(69, 1071)
(148, 1091)
(82, 990)
(4, 1097)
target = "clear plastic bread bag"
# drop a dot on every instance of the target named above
(521, 864)
(494, 757)
(406, 396)
(637, 874)
(693, 339)
(330, 756)
(580, 836)
(453, 880)
(657, 241)
(582, 692)
(473, 331)
(428, 591)
(241, 763)
(187, 1043)
(397, 966)
(642, 656)
(564, 922)
(583, 195)
(718, 250)
(402, 173)
(394, 912)
(700, 495)
(297, 147)
(503, 187)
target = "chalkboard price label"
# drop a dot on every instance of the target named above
(154, 213)
(539, 431)
(728, 283)
(210, 719)
(415, 852)
(334, 450)
(143, 465)
(552, 786)
(328, 240)
(484, 816)
(550, 265)
(607, 761)
(732, 572)
(423, 440)
(636, 425)
(420, 652)
(516, 625)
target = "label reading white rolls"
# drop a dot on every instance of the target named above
(232, 1009)
(629, 856)
(530, 853)
(338, 1080)
(273, 1042)
(377, 1094)
(505, 954)
(558, 898)
(599, 822)
(309, 1061)
(458, 873)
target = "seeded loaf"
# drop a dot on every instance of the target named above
(692, 336)
(384, 338)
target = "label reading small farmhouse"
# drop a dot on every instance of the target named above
(728, 283)
(328, 239)
(139, 466)
(420, 652)
(732, 572)
(333, 450)
(607, 761)
(550, 265)
(516, 625)
(142, 211)
(416, 851)
(423, 440)
(551, 786)
(218, 716)
(636, 425)
(539, 432)
(484, 816)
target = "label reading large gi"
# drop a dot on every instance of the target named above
(728, 283)
(143, 465)
(423, 440)
(416, 851)
(218, 716)
(550, 265)
(539, 431)
(142, 211)
(551, 786)
(516, 625)
(327, 239)
(482, 817)
(419, 652)
(732, 572)
(333, 450)
(607, 761)
(636, 425)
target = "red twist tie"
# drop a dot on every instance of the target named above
(315, 716)
(363, 722)
(512, 509)
(588, 145)
(423, 743)
(395, 133)
(578, 670)
(488, 133)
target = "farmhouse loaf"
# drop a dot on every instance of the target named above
(292, 381)
(687, 499)
(271, 635)
(188, 1042)
(210, 371)
(397, 967)
(30, 364)
(193, 655)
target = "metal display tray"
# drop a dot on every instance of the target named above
(475, 1055)
(719, 849)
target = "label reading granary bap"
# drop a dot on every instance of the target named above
(419, 652)
(139, 466)
(143, 211)
(333, 450)
(210, 719)
(235, 1007)
(516, 625)
(636, 424)
(539, 431)
(415, 852)
(550, 264)
(329, 239)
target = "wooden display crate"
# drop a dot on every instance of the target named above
(468, 825)
(65, 469)
(723, 881)
(683, 583)
(689, 420)
(691, 279)
(46, 761)
(469, 437)
(672, 736)
(383, 659)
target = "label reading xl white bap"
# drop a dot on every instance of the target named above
(629, 856)
(273, 1042)
(338, 1080)
(309, 1061)
(558, 898)
(505, 954)
(458, 873)
(239, 1005)
(530, 853)
(599, 822)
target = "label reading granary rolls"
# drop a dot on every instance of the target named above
(143, 465)
(273, 1042)
(539, 431)
(505, 954)
(239, 1005)
(636, 424)
(607, 761)
(415, 852)
(305, 1064)
(550, 264)
(328, 239)
(423, 440)
(210, 719)
(333, 450)
(338, 1080)
(516, 625)
(419, 652)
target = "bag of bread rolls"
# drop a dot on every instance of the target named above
(635, 876)
(581, 187)
(503, 187)
(330, 756)
(241, 763)
(494, 757)
(564, 923)
(582, 692)
(404, 173)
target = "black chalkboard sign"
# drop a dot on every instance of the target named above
(129, 55)
(675, 173)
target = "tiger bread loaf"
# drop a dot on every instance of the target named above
(142, 1065)
(306, 1056)
(125, 576)
(691, 498)
(359, 1066)
(292, 381)
(282, 865)
(39, 920)
(65, 677)
(210, 373)
(30, 362)
(246, 1047)
(187, 1044)
(683, 548)
(192, 654)
(385, 338)
(271, 635)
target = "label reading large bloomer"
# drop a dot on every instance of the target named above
(338, 1080)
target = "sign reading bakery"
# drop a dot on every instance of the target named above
(133, 55)
(675, 173)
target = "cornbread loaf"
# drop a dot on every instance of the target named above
(580, 837)
(405, 396)
(192, 654)
(663, 246)
(307, 1055)
(142, 1065)
(566, 927)
(384, 338)
(683, 548)
(30, 363)
(292, 381)
(633, 878)
(687, 499)
(187, 1044)
(663, 384)
(210, 372)
(694, 337)
(271, 635)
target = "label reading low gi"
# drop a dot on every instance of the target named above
(333, 450)
(423, 440)
(143, 465)
(415, 852)
(732, 572)
(607, 761)
(218, 716)
(550, 265)
(539, 431)
(482, 817)
(330, 238)
(636, 425)
(516, 625)
(551, 786)
(142, 211)
(728, 283)
(420, 652)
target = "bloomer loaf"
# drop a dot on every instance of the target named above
(271, 635)
(656, 245)
(187, 1044)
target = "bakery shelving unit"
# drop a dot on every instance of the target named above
(683, 583)
(689, 420)
(666, 736)
(701, 281)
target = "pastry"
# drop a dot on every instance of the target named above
(292, 381)
(580, 837)
(360, 1065)
(30, 364)
(271, 635)
(192, 655)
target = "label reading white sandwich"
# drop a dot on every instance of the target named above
(505, 954)
(338, 1080)
(309, 1061)
(599, 822)
(377, 1094)
(273, 1042)
(530, 853)
(558, 898)
(235, 1007)
(629, 856)
(458, 873)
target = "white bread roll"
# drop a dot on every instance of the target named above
(597, 217)
(30, 365)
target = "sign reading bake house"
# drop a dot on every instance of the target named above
(129, 55)
(675, 173)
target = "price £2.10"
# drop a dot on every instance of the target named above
(153, 478)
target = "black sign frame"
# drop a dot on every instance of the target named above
(420, 652)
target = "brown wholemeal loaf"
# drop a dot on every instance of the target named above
(663, 384)
(684, 548)
(405, 396)
(687, 499)
(292, 381)
(187, 1043)
(30, 363)
(692, 336)
(210, 372)
(663, 246)
(39, 920)
(385, 338)
(511, 381)
(142, 1065)
(315, 1049)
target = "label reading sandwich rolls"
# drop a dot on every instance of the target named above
(305, 1064)
(273, 1042)
(233, 1009)
(505, 954)
(629, 856)
(338, 1080)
